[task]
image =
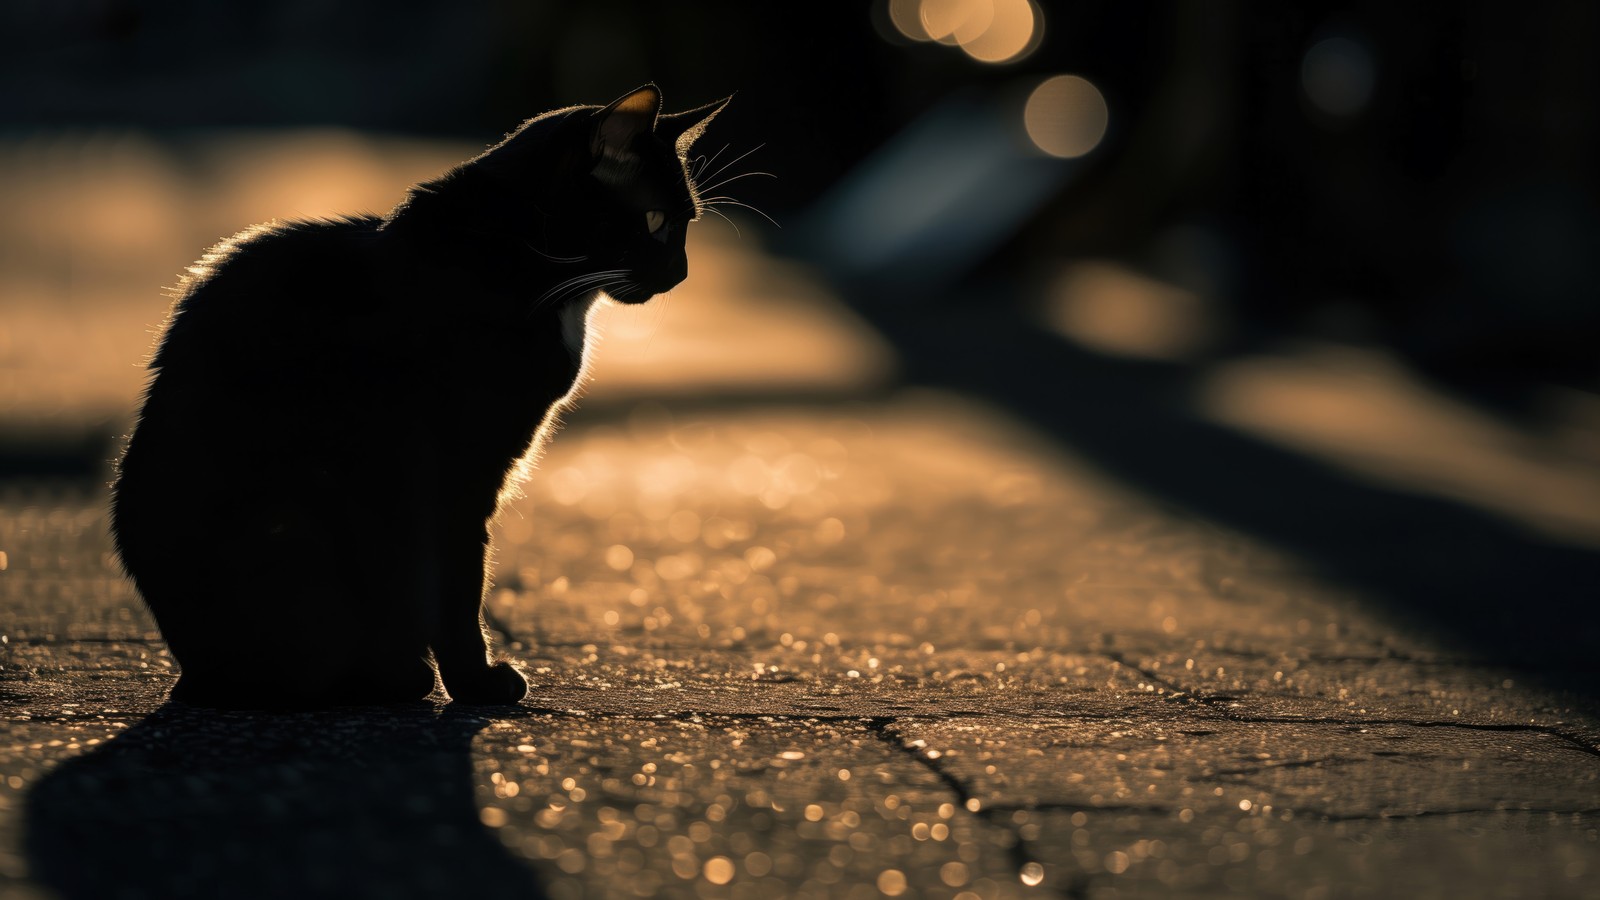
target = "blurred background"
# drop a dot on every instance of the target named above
(1319, 273)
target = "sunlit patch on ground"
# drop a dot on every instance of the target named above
(715, 529)
(1361, 411)
(1356, 408)
(900, 645)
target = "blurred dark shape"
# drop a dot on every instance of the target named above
(1370, 172)
(76, 455)
(473, 69)
(934, 202)
(190, 803)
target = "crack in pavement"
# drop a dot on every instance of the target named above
(1219, 703)
(1017, 846)
(1575, 742)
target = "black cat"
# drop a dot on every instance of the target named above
(339, 405)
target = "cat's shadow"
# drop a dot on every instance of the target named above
(195, 803)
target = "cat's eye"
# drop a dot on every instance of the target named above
(654, 220)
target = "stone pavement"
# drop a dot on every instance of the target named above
(889, 647)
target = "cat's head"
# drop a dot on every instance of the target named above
(605, 190)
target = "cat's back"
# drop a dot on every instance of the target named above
(260, 296)
(256, 361)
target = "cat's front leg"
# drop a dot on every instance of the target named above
(460, 642)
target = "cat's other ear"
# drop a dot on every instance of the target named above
(629, 116)
(683, 129)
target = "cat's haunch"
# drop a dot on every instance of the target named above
(337, 406)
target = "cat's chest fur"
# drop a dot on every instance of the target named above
(574, 326)
(495, 388)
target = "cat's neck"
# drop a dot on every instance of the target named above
(574, 317)
(437, 242)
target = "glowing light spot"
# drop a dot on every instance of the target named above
(1014, 31)
(829, 531)
(567, 486)
(956, 21)
(676, 567)
(718, 870)
(892, 882)
(1116, 862)
(1338, 74)
(953, 874)
(492, 816)
(907, 18)
(1066, 116)
(749, 474)
(619, 557)
(1032, 874)
(759, 558)
(571, 861)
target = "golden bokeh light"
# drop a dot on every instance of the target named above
(988, 31)
(907, 18)
(1066, 116)
(1014, 30)
(956, 21)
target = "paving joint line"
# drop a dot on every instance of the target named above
(1218, 702)
(1018, 848)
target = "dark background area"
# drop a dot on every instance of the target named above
(1453, 215)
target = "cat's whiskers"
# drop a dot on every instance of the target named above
(730, 179)
(710, 208)
(716, 180)
(552, 258)
(702, 163)
(572, 288)
(724, 167)
(712, 202)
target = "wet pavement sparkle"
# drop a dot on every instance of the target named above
(889, 648)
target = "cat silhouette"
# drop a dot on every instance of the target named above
(338, 408)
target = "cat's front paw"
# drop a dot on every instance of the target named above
(499, 685)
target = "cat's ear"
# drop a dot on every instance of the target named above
(684, 128)
(629, 116)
